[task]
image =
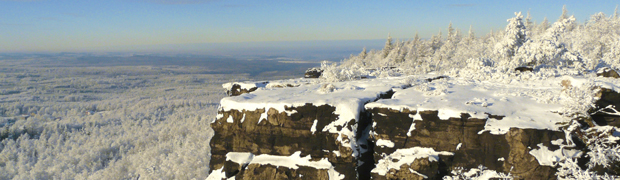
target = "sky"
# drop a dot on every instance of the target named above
(112, 25)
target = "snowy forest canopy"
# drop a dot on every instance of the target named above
(563, 44)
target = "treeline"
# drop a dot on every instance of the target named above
(564, 43)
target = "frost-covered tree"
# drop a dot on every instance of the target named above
(587, 46)
(548, 50)
(450, 31)
(612, 58)
(470, 34)
(443, 57)
(436, 42)
(363, 54)
(394, 55)
(544, 25)
(593, 45)
(528, 22)
(514, 36)
(400, 58)
(412, 50)
(564, 14)
(388, 46)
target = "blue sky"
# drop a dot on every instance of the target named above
(107, 25)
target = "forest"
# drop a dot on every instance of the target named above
(565, 45)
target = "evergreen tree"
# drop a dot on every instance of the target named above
(412, 52)
(544, 25)
(363, 54)
(450, 31)
(514, 37)
(457, 36)
(388, 47)
(564, 14)
(612, 57)
(401, 55)
(549, 50)
(528, 21)
(436, 42)
(470, 34)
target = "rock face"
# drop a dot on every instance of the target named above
(313, 73)
(280, 133)
(609, 106)
(507, 153)
(607, 72)
(236, 90)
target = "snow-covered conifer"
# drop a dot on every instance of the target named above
(450, 31)
(514, 37)
(401, 55)
(548, 50)
(544, 25)
(436, 42)
(388, 46)
(363, 54)
(564, 14)
(416, 38)
(612, 57)
(528, 22)
(470, 34)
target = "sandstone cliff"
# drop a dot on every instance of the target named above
(417, 127)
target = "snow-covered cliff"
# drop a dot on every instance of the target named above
(418, 127)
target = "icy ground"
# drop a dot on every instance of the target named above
(118, 122)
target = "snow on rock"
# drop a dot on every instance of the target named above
(477, 173)
(313, 128)
(218, 174)
(406, 156)
(243, 85)
(385, 143)
(347, 97)
(230, 119)
(238, 88)
(415, 117)
(290, 83)
(293, 161)
(531, 104)
(547, 157)
(242, 158)
(607, 72)
(337, 153)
